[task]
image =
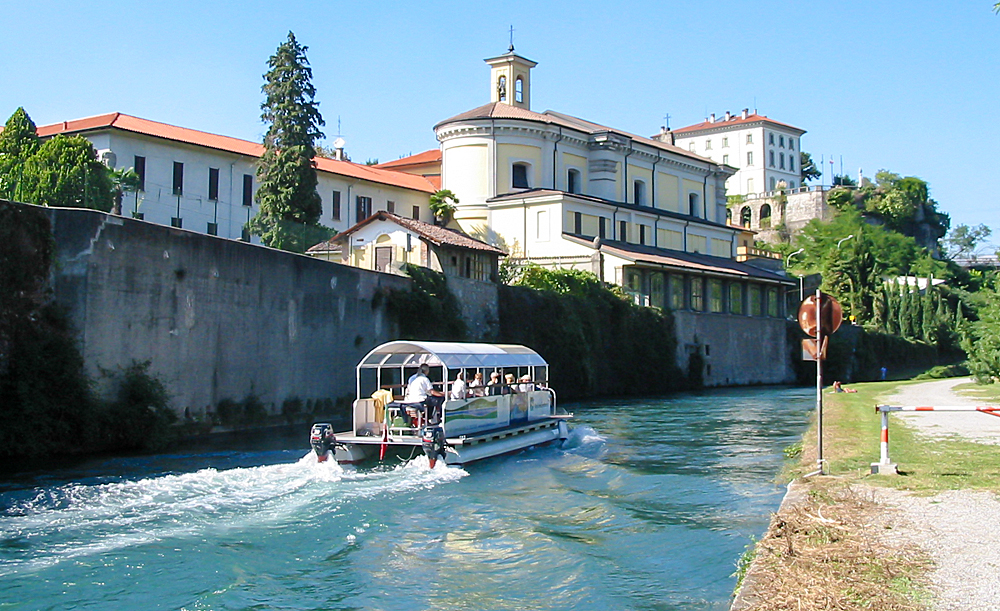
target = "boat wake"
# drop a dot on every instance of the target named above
(584, 439)
(77, 520)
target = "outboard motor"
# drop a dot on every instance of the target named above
(432, 439)
(322, 440)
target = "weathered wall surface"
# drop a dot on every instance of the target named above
(217, 318)
(737, 350)
(480, 305)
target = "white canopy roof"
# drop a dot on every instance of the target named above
(451, 354)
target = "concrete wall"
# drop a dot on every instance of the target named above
(217, 318)
(480, 303)
(737, 350)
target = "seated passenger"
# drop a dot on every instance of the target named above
(509, 383)
(458, 391)
(420, 389)
(494, 384)
(476, 386)
(526, 385)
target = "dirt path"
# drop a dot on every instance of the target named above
(971, 426)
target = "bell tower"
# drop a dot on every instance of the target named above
(510, 79)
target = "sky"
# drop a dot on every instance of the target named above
(902, 86)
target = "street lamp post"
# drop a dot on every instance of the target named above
(789, 258)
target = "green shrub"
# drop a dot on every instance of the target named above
(428, 310)
(139, 418)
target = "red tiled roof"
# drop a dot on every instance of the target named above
(734, 121)
(499, 110)
(440, 236)
(431, 156)
(136, 125)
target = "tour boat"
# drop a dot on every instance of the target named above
(477, 423)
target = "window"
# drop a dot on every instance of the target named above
(750, 158)
(245, 235)
(772, 302)
(791, 144)
(745, 216)
(791, 164)
(708, 144)
(139, 165)
(416, 213)
(691, 147)
(725, 143)
(178, 178)
(755, 308)
(714, 296)
(519, 176)
(364, 207)
(725, 159)
(602, 227)
(639, 193)
(519, 90)
(502, 88)
(781, 141)
(675, 284)
(749, 138)
(770, 158)
(213, 184)
(697, 294)
(212, 229)
(765, 216)
(773, 183)
(750, 185)
(770, 139)
(390, 207)
(642, 234)
(577, 223)
(657, 290)
(542, 227)
(176, 221)
(335, 205)
(736, 298)
(623, 231)
(693, 208)
(248, 190)
(781, 161)
(573, 181)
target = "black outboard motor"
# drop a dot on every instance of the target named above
(432, 439)
(322, 440)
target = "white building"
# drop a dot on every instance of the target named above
(763, 151)
(206, 182)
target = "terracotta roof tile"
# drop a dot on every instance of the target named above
(734, 121)
(431, 156)
(232, 145)
(435, 234)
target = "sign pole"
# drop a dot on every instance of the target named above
(819, 384)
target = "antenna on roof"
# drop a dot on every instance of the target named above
(511, 48)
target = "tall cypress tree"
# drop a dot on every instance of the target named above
(289, 205)
(18, 142)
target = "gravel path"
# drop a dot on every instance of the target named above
(972, 426)
(957, 527)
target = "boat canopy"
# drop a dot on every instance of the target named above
(452, 355)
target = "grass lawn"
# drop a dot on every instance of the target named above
(851, 431)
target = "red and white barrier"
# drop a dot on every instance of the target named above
(885, 465)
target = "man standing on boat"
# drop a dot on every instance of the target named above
(420, 389)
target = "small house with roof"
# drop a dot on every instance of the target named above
(385, 242)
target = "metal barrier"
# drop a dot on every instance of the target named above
(884, 465)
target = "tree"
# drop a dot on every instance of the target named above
(844, 181)
(442, 203)
(983, 343)
(289, 205)
(122, 182)
(963, 240)
(807, 167)
(18, 142)
(64, 172)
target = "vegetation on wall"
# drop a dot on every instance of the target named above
(428, 310)
(596, 342)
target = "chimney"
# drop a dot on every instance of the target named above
(711, 118)
(729, 115)
(745, 111)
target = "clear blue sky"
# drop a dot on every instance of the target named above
(905, 86)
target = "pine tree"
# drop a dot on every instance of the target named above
(927, 308)
(289, 205)
(905, 329)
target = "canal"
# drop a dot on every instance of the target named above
(647, 506)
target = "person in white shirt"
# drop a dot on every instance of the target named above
(420, 389)
(476, 386)
(458, 388)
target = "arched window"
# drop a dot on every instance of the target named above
(502, 88)
(729, 216)
(519, 176)
(746, 215)
(519, 90)
(573, 181)
(773, 183)
(765, 216)
(693, 208)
